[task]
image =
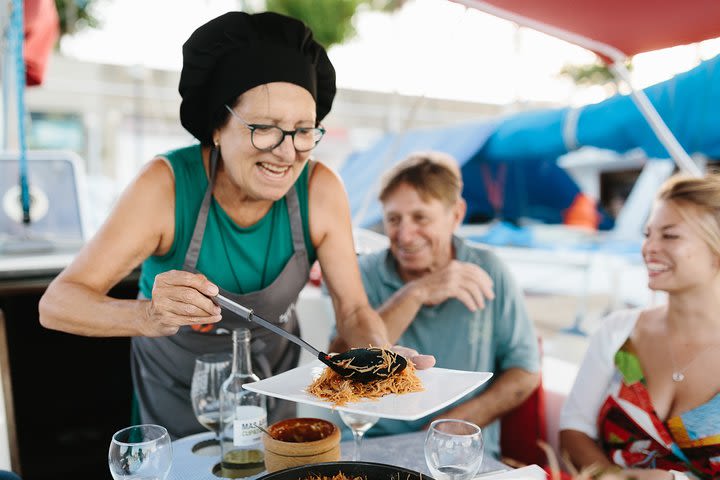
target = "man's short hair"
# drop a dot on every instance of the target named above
(435, 175)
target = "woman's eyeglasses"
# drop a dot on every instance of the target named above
(268, 137)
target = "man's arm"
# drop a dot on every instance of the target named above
(465, 281)
(511, 388)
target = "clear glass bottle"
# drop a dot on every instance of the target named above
(241, 412)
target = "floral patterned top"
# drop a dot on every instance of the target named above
(634, 436)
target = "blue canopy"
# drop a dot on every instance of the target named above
(688, 103)
(509, 165)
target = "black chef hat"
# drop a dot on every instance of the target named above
(238, 51)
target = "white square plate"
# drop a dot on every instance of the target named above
(442, 387)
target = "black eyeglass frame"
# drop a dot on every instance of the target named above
(255, 126)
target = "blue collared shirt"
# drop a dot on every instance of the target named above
(494, 339)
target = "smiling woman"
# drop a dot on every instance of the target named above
(243, 213)
(646, 396)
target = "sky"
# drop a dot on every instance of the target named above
(435, 48)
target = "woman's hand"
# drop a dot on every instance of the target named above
(180, 298)
(421, 362)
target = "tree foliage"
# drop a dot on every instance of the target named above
(597, 73)
(76, 15)
(330, 20)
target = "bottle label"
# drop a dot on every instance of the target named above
(247, 419)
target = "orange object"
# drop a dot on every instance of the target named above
(582, 213)
(203, 328)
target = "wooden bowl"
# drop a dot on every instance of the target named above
(301, 441)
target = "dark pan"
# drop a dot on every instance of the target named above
(365, 470)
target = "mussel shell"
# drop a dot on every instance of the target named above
(363, 360)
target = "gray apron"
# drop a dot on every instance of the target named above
(162, 366)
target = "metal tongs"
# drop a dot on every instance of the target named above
(359, 364)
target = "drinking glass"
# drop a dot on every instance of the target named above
(359, 424)
(453, 449)
(140, 452)
(211, 370)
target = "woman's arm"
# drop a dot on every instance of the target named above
(582, 450)
(579, 414)
(331, 232)
(141, 224)
(585, 452)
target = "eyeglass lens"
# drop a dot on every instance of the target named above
(267, 137)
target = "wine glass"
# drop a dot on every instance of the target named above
(211, 370)
(359, 424)
(453, 449)
(140, 451)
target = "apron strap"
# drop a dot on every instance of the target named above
(193, 251)
(296, 224)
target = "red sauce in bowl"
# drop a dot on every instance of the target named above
(299, 430)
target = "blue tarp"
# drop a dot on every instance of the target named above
(688, 103)
(539, 190)
(362, 170)
(515, 157)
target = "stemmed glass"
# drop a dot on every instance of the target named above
(140, 451)
(453, 449)
(211, 370)
(359, 424)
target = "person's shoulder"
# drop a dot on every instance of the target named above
(157, 175)
(374, 271)
(620, 318)
(473, 250)
(481, 256)
(616, 326)
(372, 261)
(190, 154)
(326, 189)
(320, 174)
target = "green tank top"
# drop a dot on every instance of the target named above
(238, 259)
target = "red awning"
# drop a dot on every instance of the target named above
(42, 29)
(614, 29)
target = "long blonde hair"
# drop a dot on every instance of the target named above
(698, 202)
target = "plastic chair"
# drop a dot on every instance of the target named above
(522, 427)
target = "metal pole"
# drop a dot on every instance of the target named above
(658, 126)
(17, 40)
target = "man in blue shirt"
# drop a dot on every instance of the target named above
(444, 296)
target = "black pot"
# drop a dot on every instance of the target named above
(365, 470)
